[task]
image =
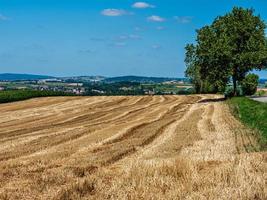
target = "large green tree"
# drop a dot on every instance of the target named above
(232, 46)
(212, 55)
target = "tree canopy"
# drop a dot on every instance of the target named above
(229, 48)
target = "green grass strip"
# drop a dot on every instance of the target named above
(253, 114)
(19, 95)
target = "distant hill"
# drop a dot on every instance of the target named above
(18, 77)
(141, 79)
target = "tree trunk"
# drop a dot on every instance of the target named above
(235, 86)
(201, 86)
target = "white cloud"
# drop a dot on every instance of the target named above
(129, 37)
(155, 18)
(114, 12)
(142, 5)
(183, 19)
(156, 46)
(3, 17)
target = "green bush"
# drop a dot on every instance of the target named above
(249, 84)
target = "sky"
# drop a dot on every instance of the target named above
(105, 37)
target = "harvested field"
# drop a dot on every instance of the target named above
(145, 147)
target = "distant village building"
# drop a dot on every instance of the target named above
(98, 91)
(75, 84)
(53, 80)
(78, 91)
(149, 92)
(21, 88)
(48, 80)
(171, 82)
(126, 88)
(43, 88)
(41, 81)
(2, 88)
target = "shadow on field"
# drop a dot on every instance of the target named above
(212, 100)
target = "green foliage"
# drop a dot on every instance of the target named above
(134, 88)
(211, 58)
(201, 84)
(18, 95)
(229, 48)
(229, 92)
(253, 114)
(193, 70)
(249, 84)
(110, 89)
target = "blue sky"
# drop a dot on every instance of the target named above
(105, 37)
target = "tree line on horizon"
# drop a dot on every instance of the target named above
(226, 52)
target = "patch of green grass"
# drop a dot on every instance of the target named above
(253, 114)
(19, 95)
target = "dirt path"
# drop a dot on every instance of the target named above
(125, 148)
